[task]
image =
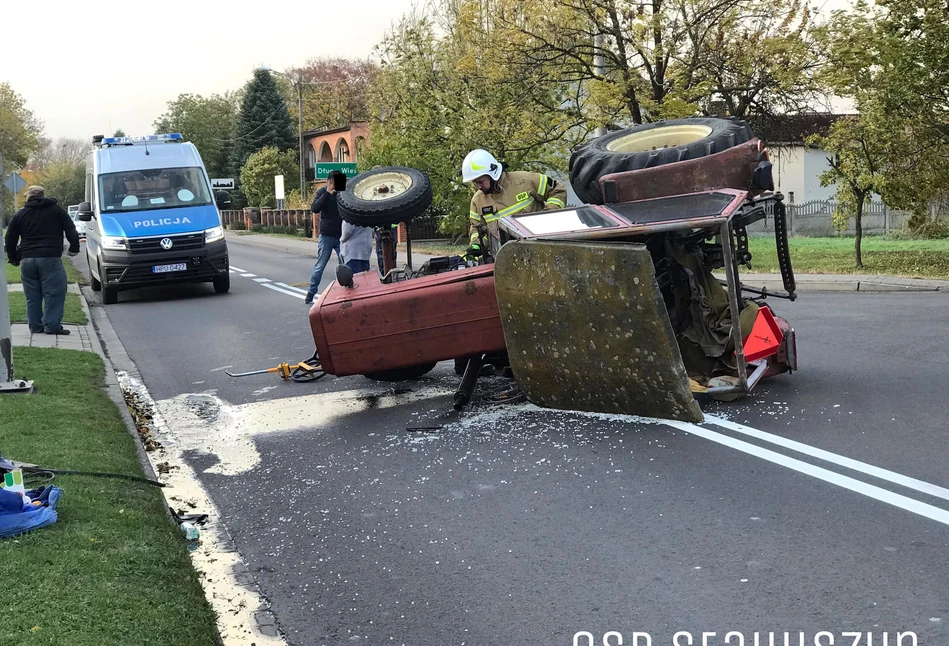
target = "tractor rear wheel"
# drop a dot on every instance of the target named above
(649, 145)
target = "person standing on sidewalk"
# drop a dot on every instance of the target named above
(331, 225)
(357, 247)
(34, 241)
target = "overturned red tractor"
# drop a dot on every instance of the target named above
(629, 304)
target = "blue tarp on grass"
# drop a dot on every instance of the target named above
(18, 515)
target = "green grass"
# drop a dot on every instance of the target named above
(113, 570)
(436, 249)
(915, 258)
(71, 314)
(72, 274)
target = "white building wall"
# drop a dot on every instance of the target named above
(797, 171)
(788, 171)
(815, 163)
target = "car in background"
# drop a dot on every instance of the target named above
(80, 225)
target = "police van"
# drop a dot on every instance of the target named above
(153, 216)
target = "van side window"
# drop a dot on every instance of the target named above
(90, 191)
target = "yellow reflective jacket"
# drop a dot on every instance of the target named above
(515, 192)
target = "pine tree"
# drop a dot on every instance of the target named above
(263, 121)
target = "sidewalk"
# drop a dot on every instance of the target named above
(79, 337)
(805, 282)
(846, 283)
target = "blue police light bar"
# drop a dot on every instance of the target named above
(128, 141)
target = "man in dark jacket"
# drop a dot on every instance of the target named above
(331, 229)
(34, 241)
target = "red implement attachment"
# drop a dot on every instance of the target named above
(373, 327)
(765, 337)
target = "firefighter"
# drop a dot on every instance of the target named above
(502, 193)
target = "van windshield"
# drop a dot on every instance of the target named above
(157, 188)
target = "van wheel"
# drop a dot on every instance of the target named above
(222, 283)
(110, 295)
(93, 281)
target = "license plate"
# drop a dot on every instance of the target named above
(162, 269)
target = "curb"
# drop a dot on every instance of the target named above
(842, 283)
(107, 344)
(112, 383)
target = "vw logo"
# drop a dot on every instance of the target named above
(166, 243)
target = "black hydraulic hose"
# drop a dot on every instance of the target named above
(99, 474)
(783, 248)
(466, 388)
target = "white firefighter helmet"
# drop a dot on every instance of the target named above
(480, 162)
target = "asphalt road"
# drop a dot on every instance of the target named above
(183, 337)
(510, 524)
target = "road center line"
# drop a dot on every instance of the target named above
(296, 289)
(248, 275)
(856, 465)
(238, 269)
(283, 291)
(857, 486)
(261, 280)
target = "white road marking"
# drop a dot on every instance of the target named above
(283, 291)
(238, 269)
(856, 465)
(283, 288)
(296, 289)
(857, 486)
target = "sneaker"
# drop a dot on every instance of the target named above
(309, 299)
(61, 331)
(36, 329)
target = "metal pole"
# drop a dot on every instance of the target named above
(408, 246)
(599, 66)
(7, 384)
(300, 128)
(2, 221)
(734, 290)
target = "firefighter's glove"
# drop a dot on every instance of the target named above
(474, 251)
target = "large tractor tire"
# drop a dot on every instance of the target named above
(649, 145)
(385, 196)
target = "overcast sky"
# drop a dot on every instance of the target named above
(92, 66)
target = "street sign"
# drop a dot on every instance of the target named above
(278, 187)
(223, 184)
(323, 169)
(14, 182)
